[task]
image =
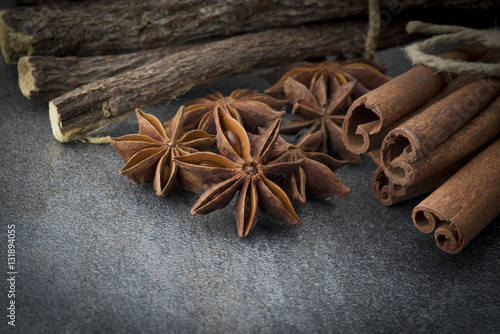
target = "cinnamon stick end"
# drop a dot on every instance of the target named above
(362, 120)
(425, 220)
(13, 44)
(448, 238)
(396, 150)
(380, 187)
(27, 82)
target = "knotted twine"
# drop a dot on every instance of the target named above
(446, 34)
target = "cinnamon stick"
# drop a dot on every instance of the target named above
(465, 204)
(75, 114)
(46, 77)
(469, 138)
(389, 193)
(371, 116)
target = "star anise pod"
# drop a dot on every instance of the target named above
(241, 166)
(338, 72)
(250, 108)
(322, 112)
(315, 177)
(149, 154)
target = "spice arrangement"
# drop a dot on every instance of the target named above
(427, 131)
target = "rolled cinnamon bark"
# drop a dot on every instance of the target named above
(411, 142)
(465, 204)
(457, 83)
(468, 139)
(373, 115)
(389, 193)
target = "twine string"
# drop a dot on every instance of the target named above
(373, 29)
(417, 52)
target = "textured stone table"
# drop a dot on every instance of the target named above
(98, 254)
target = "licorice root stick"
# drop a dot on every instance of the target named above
(90, 107)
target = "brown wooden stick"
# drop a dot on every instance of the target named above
(47, 77)
(97, 28)
(92, 106)
(117, 26)
(465, 204)
(373, 115)
(39, 2)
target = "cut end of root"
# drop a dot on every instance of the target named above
(89, 134)
(424, 220)
(448, 238)
(359, 123)
(55, 122)
(14, 44)
(26, 78)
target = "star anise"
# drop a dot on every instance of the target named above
(241, 166)
(250, 108)
(149, 154)
(338, 72)
(315, 177)
(322, 112)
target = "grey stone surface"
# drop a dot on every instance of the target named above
(98, 254)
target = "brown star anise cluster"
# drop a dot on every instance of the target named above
(253, 161)
(368, 76)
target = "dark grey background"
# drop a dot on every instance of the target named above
(98, 254)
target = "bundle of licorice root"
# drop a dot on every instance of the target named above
(435, 132)
(97, 61)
